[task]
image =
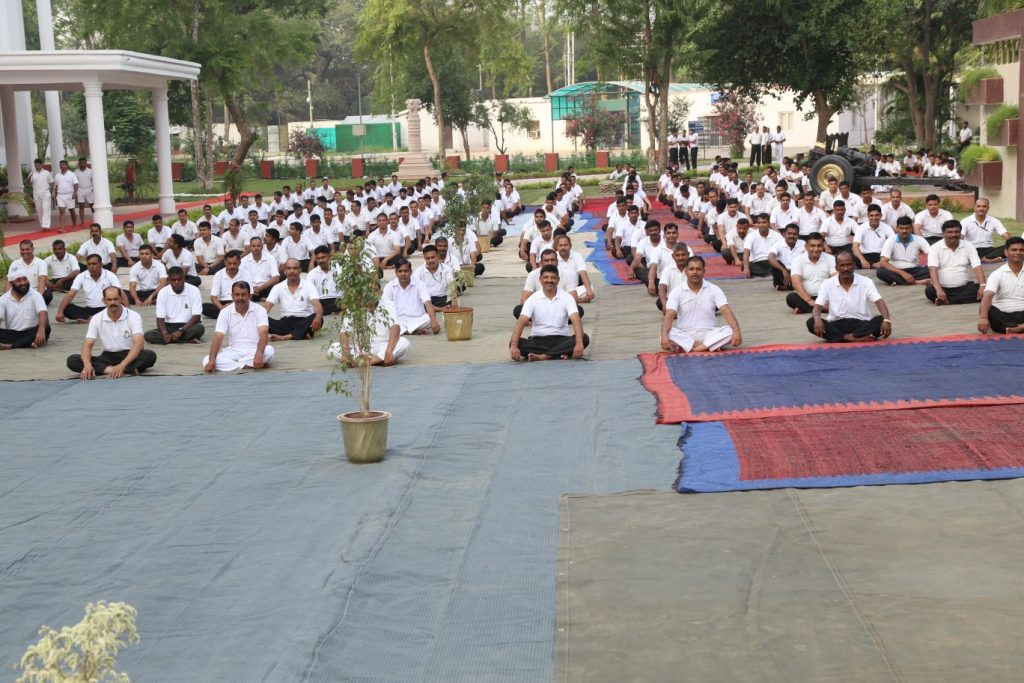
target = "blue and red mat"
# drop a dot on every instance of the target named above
(896, 412)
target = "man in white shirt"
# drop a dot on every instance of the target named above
(386, 242)
(65, 182)
(895, 208)
(177, 255)
(950, 265)
(784, 213)
(557, 329)
(572, 271)
(85, 188)
(869, 238)
(412, 302)
(186, 228)
(829, 195)
(732, 247)
(225, 216)
(761, 202)
(928, 223)
(778, 138)
(61, 268)
(23, 312)
(899, 263)
(757, 246)
(978, 229)
(179, 308)
(145, 278)
(627, 233)
(92, 282)
(1002, 306)
(810, 217)
(247, 327)
(838, 229)
(689, 323)
(301, 314)
(158, 235)
(387, 346)
(726, 223)
(965, 134)
(781, 258)
(848, 298)
(209, 250)
(31, 267)
(546, 240)
(41, 182)
(434, 276)
(322, 277)
(119, 331)
(766, 146)
(807, 273)
(259, 269)
(236, 237)
(221, 288)
(325, 190)
(127, 244)
(99, 245)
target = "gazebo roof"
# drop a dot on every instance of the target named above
(69, 69)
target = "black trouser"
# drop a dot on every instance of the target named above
(390, 262)
(627, 253)
(193, 280)
(760, 269)
(726, 253)
(684, 157)
(122, 262)
(1000, 320)
(76, 312)
(755, 155)
(836, 251)
(478, 269)
(518, 310)
(552, 346)
(211, 311)
(693, 157)
(933, 239)
(498, 236)
(47, 294)
(145, 360)
(793, 300)
(304, 264)
(642, 273)
(991, 252)
(214, 269)
(891, 278)
(438, 301)
(779, 280)
(329, 305)
(140, 296)
(109, 266)
(766, 154)
(673, 155)
(21, 339)
(964, 294)
(870, 258)
(194, 332)
(835, 330)
(298, 328)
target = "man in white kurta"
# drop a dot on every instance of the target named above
(41, 182)
(247, 327)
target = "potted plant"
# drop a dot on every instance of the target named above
(458, 320)
(982, 166)
(364, 431)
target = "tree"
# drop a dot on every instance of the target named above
(817, 50)
(932, 34)
(501, 118)
(129, 123)
(735, 115)
(594, 125)
(305, 144)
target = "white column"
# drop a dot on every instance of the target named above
(52, 98)
(102, 210)
(163, 151)
(12, 147)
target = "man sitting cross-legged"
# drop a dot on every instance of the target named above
(415, 312)
(689, 323)
(434, 276)
(247, 327)
(1002, 306)
(758, 245)
(179, 308)
(782, 257)
(92, 281)
(551, 311)
(301, 313)
(119, 330)
(322, 279)
(387, 346)
(950, 264)
(848, 297)
(23, 312)
(145, 278)
(223, 281)
(899, 263)
(549, 257)
(808, 272)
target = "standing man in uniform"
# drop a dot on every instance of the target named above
(66, 184)
(84, 195)
(41, 181)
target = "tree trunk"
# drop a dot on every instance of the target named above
(664, 81)
(198, 131)
(464, 132)
(652, 128)
(824, 112)
(913, 98)
(438, 112)
(547, 48)
(930, 95)
(247, 134)
(208, 137)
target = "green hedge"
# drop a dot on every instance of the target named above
(994, 123)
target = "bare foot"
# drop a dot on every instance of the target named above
(280, 337)
(6, 347)
(194, 341)
(537, 357)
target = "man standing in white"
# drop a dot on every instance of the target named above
(848, 297)
(247, 327)
(41, 181)
(778, 137)
(119, 330)
(689, 323)
(85, 196)
(66, 184)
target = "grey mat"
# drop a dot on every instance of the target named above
(902, 583)
(221, 509)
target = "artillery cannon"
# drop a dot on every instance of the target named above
(854, 166)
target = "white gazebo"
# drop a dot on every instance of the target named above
(92, 71)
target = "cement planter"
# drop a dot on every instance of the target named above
(986, 174)
(986, 91)
(365, 436)
(458, 323)
(1007, 134)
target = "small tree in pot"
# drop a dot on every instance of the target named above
(360, 321)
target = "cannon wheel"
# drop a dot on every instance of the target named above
(830, 165)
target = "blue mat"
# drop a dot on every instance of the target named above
(222, 509)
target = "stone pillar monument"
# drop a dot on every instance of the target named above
(415, 164)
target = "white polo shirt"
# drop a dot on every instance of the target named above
(179, 308)
(787, 256)
(890, 214)
(93, 289)
(59, 268)
(410, 302)
(258, 272)
(185, 260)
(21, 315)
(115, 335)
(209, 251)
(40, 181)
(33, 270)
(158, 238)
(385, 243)
(760, 245)
(980, 234)
(130, 246)
(436, 283)
(695, 310)
(810, 221)
(956, 267)
(104, 248)
(188, 230)
(297, 304)
(84, 176)
(569, 270)
(147, 278)
(782, 217)
(314, 239)
(872, 241)
(324, 283)
(239, 240)
(812, 275)
(853, 303)
(1008, 288)
(294, 250)
(905, 255)
(931, 226)
(242, 330)
(550, 317)
(65, 182)
(838, 234)
(539, 245)
(220, 288)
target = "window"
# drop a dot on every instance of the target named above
(786, 120)
(533, 132)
